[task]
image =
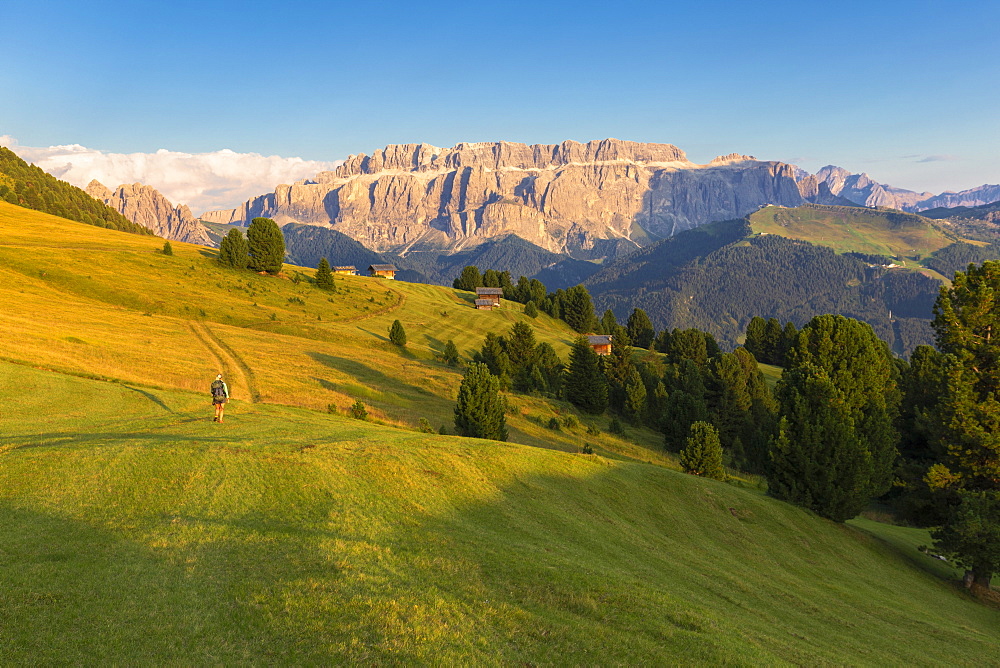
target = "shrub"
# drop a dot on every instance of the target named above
(554, 424)
(167, 248)
(358, 410)
(425, 426)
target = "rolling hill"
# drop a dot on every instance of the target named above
(134, 529)
(878, 265)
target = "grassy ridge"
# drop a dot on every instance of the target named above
(110, 305)
(848, 229)
(136, 528)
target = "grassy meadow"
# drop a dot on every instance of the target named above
(854, 230)
(135, 530)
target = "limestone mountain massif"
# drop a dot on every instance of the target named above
(567, 198)
(146, 206)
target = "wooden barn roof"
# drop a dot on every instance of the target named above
(599, 339)
(345, 268)
(489, 291)
(382, 267)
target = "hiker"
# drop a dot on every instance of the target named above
(220, 395)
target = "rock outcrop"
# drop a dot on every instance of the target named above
(146, 206)
(567, 197)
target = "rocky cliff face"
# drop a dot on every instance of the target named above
(567, 197)
(146, 206)
(836, 183)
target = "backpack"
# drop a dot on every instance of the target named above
(218, 389)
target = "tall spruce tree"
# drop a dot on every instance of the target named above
(324, 277)
(585, 385)
(967, 477)
(266, 245)
(233, 250)
(479, 411)
(578, 310)
(818, 459)
(640, 329)
(519, 345)
(837, 372)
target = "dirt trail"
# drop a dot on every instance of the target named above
(239, 376)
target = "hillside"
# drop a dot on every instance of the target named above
(136, 529)
(792, 264)
(28, 186)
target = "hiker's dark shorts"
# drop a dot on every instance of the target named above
(216, 402)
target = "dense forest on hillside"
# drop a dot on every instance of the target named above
(958, 256)
(716, 280)
(28, 186)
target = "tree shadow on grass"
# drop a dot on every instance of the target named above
(366, 375)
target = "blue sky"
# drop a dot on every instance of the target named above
(906, 91)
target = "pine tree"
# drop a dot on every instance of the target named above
(167, 248)
(470, 279)
(450, 354)
(233, 250)
(531, 310)
(397, 335)
(586, 387)
(754, 340)
(702, 453)
(324, 277)
(640, 329)
(635, 396)
(608, 322)
(836, 445)
(266, 245)
(818, 459)
(519, 345)
(578, 310)
(967, 477)
(494, 355)
(479, 411)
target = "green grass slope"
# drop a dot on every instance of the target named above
(852, 229)
(135, 530)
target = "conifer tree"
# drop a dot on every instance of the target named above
(608, 322)
(266, 245)
(702, 453)
(754, 340)
(967, 477)
(578, 309)
(531, 310)
(450, 354)
(324, 277)
(519, 345)
(167, 248)
(635, 396)
(233, 250)
(494, 355)
(640, 329)
(479, 411)
(397, 335)
(469, 279)
(586, 387)
(836, 445)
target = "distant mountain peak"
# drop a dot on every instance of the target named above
(146, 206)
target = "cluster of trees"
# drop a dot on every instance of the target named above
(573, 305)
(847, 420)
(262, 250)
(768, 341)
(31, 187)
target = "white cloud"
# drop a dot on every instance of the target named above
(204, 181)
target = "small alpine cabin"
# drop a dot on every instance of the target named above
(485, 304)
(490, 293)
(383, 271)
(346, 271)
(601, 343)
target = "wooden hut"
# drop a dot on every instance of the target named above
(493, 294)
(383, 270)
(346, 271)
(601, 343)
(485, 304)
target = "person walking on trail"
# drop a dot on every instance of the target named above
(220, 395)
